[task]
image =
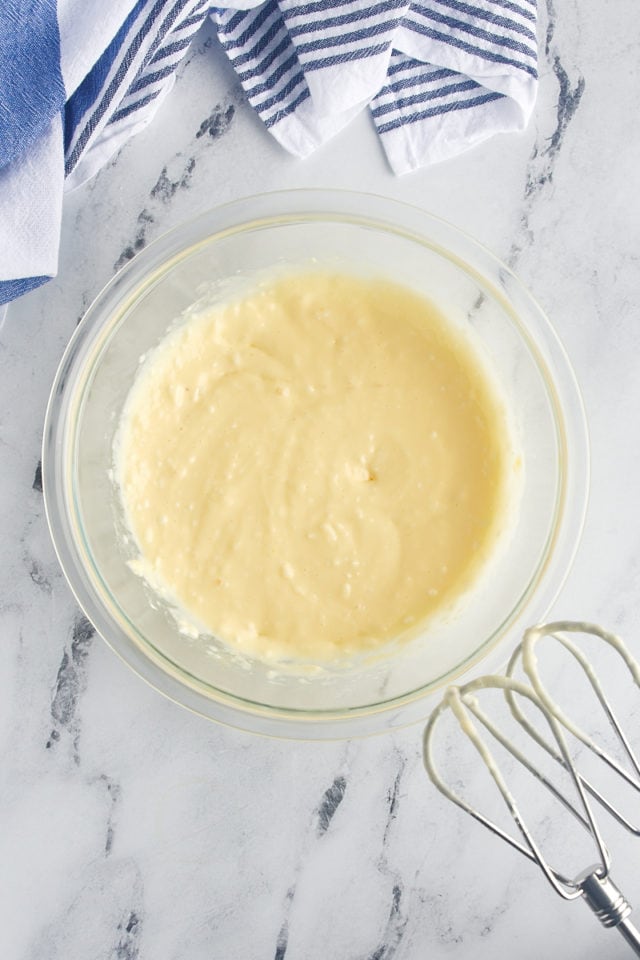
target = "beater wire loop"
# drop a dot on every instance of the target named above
(464, 705)
(525, 654)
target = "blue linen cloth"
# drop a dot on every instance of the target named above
(79, 77)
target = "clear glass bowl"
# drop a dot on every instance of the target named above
(351, 232)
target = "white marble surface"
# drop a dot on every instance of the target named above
(131, 830)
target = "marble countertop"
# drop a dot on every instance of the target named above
(130, 829)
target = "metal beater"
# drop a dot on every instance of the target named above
(593, 884)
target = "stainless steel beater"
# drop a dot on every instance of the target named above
(593, 884)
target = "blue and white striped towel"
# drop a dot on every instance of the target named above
(79, 77)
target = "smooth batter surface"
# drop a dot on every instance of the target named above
(315, 468)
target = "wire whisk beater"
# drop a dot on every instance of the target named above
(594, 883)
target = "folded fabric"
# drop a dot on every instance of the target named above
(79, 77)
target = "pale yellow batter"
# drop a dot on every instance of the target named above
(315, 468)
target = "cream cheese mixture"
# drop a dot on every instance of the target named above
(315, 467)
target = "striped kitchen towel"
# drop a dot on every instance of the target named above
(439, 75)
(79, 77)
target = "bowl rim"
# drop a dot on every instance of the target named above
(323, 205)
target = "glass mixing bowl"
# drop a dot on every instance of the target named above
(353, 233)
